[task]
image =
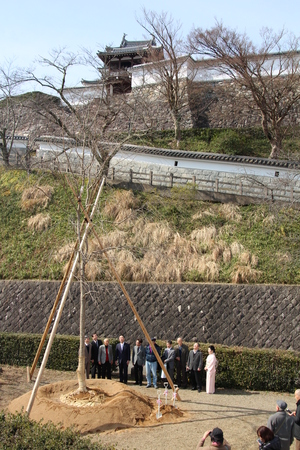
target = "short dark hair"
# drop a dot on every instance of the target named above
(265, 433)
(169, 342)
(212, 348)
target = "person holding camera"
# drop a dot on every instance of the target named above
(217, 440)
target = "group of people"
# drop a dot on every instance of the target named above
(281, 430)
(99, 359)
(282, 427)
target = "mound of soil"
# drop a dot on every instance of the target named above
(107, 405)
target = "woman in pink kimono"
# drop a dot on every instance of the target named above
(210, 367)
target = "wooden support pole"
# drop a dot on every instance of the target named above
(62, 284)
(127, 297)
(61, 307)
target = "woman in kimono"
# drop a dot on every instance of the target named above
(210, 367)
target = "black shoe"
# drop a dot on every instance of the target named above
(193, 389)
(136, 383)
(141, 384)
(199, 390)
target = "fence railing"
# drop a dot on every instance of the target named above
(283, 190)
(241, 185)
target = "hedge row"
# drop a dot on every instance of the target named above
(19, 349)
(239, 368)
(18, 432)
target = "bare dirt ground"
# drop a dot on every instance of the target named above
(238, 413)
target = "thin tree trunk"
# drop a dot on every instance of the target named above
(4, 149)
(81, 358)
(177, 130)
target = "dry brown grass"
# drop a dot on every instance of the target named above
(36, 196)
(120, 201)
(125, 265)
(151, 234)
(113, 239)
(244, 274)
(254, 261)
(205, 236)
(212, 271)
(245, 258)
(64, 253)
(236, 248)
(230, 212)
(180, 248)
(200, 214)
(93, 270)
(126, 218)
(227, 255)
(39, 222)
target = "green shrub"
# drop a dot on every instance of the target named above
(18, 349)
(254, 369)
(18, 432)
(239, 368)
(229, 142)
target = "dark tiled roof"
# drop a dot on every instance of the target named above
(210, 156)
(183, 154)
(128, 47)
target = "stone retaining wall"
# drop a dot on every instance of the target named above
(243, 315)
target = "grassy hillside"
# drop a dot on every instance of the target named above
(149, 237)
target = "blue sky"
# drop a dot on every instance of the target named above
(32, 28)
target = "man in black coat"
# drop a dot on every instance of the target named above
(195, 364)
(181, 357)
(122, 358)
(94, 356)
(296, 415)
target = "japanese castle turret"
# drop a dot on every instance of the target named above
(119, 60)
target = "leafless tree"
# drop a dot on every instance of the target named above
(9, 109)
(269, 72)
(82, 116)
(81, 120)
(168, 74)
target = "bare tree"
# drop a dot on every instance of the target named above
(81, 119)
(168, 74)
(270, 73)
(84, 117)
(9, 110)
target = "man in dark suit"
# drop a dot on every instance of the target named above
(181, 357)
(195, 364)
(122, 358)
(138, 361)
(94, 356)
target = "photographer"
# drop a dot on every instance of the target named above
(217, 440)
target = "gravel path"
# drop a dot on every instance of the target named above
(238, 413)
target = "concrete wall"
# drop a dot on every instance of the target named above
(208, 176)
(243, 315)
